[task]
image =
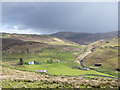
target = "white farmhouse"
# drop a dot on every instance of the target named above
(31, 62)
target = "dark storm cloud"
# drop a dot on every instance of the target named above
(44, 17)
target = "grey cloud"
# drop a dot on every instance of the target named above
(54, 17)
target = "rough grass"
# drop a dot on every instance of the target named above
(20, 79)
(105, 53)
(23, 84)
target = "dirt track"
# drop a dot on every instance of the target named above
(81, 56)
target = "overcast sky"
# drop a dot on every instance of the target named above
(51, 17)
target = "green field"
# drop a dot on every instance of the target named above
(61, 69)
(56, 69)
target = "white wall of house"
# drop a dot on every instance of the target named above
(31, 62)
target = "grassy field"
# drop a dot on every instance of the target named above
(58, 69)
(61, 69)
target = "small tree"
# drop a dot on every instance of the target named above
(21, 62)
(27, 50)
(50, 61)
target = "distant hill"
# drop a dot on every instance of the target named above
(19, 43)
(84, 38)
(44, 38)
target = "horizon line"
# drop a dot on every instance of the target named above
(56, 32)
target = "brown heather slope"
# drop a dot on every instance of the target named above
(35, 38)
(20, 42)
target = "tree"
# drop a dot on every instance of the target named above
(21, 62)
(28, 50)
(50, 61)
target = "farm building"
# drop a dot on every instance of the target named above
(42, 71)
(58, 61)
(31, 62)
(84, 68)
(98, 65)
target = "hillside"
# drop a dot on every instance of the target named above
(84, 38)
(104, 52)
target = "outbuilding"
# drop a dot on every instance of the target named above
(98, 65)
(58, 61)
(42, 71)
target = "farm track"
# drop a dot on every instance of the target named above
(81, 56)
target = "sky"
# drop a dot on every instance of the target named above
(52, 17)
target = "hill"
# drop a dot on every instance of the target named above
(84, 38)
(104, 52)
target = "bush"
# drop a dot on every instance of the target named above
(26, 63)
(50, 61)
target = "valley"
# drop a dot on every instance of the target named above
(61, 58)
